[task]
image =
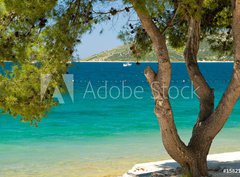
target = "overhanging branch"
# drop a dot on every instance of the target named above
(114, 11)
(170, 22)
(231, 95)
(203, 90)
(163, 108)
(149, 74)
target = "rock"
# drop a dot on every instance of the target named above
(216, 169)
(157, 175)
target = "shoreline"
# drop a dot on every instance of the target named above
(109, 163)
(138, 61)
(219, 165)
(148, 62)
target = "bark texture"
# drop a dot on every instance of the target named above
(217, 120)
(159, 83)
(206, 99)
(192, 157)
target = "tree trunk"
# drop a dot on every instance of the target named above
(196, 168)
(160, 83)
(200, 150)
(204, 92)
(199, 146)
(192, 157)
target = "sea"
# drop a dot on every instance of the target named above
(105, 123)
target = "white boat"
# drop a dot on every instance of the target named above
(34, 62)
(127, 64)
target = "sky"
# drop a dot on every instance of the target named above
(94, 42)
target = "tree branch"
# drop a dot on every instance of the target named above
(160, 84)
(231, 95)
(204, 92)
(114, 11)
(170, 22)
(150, 75)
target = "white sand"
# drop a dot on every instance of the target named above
(217, 163)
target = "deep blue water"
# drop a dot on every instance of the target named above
(115, 126)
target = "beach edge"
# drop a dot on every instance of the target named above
(219, 165)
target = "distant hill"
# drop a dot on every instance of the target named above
(123, 53)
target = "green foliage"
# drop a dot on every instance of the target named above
(190, 8)
(20, 93)
(215, 19)
(139, 40)
(43, 32)
(216, 25)
(177, 35)
(31, 9)
(47, 31)
(134, 34)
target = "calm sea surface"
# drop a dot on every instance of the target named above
(110, 126)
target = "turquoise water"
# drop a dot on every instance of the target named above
(99, 137)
